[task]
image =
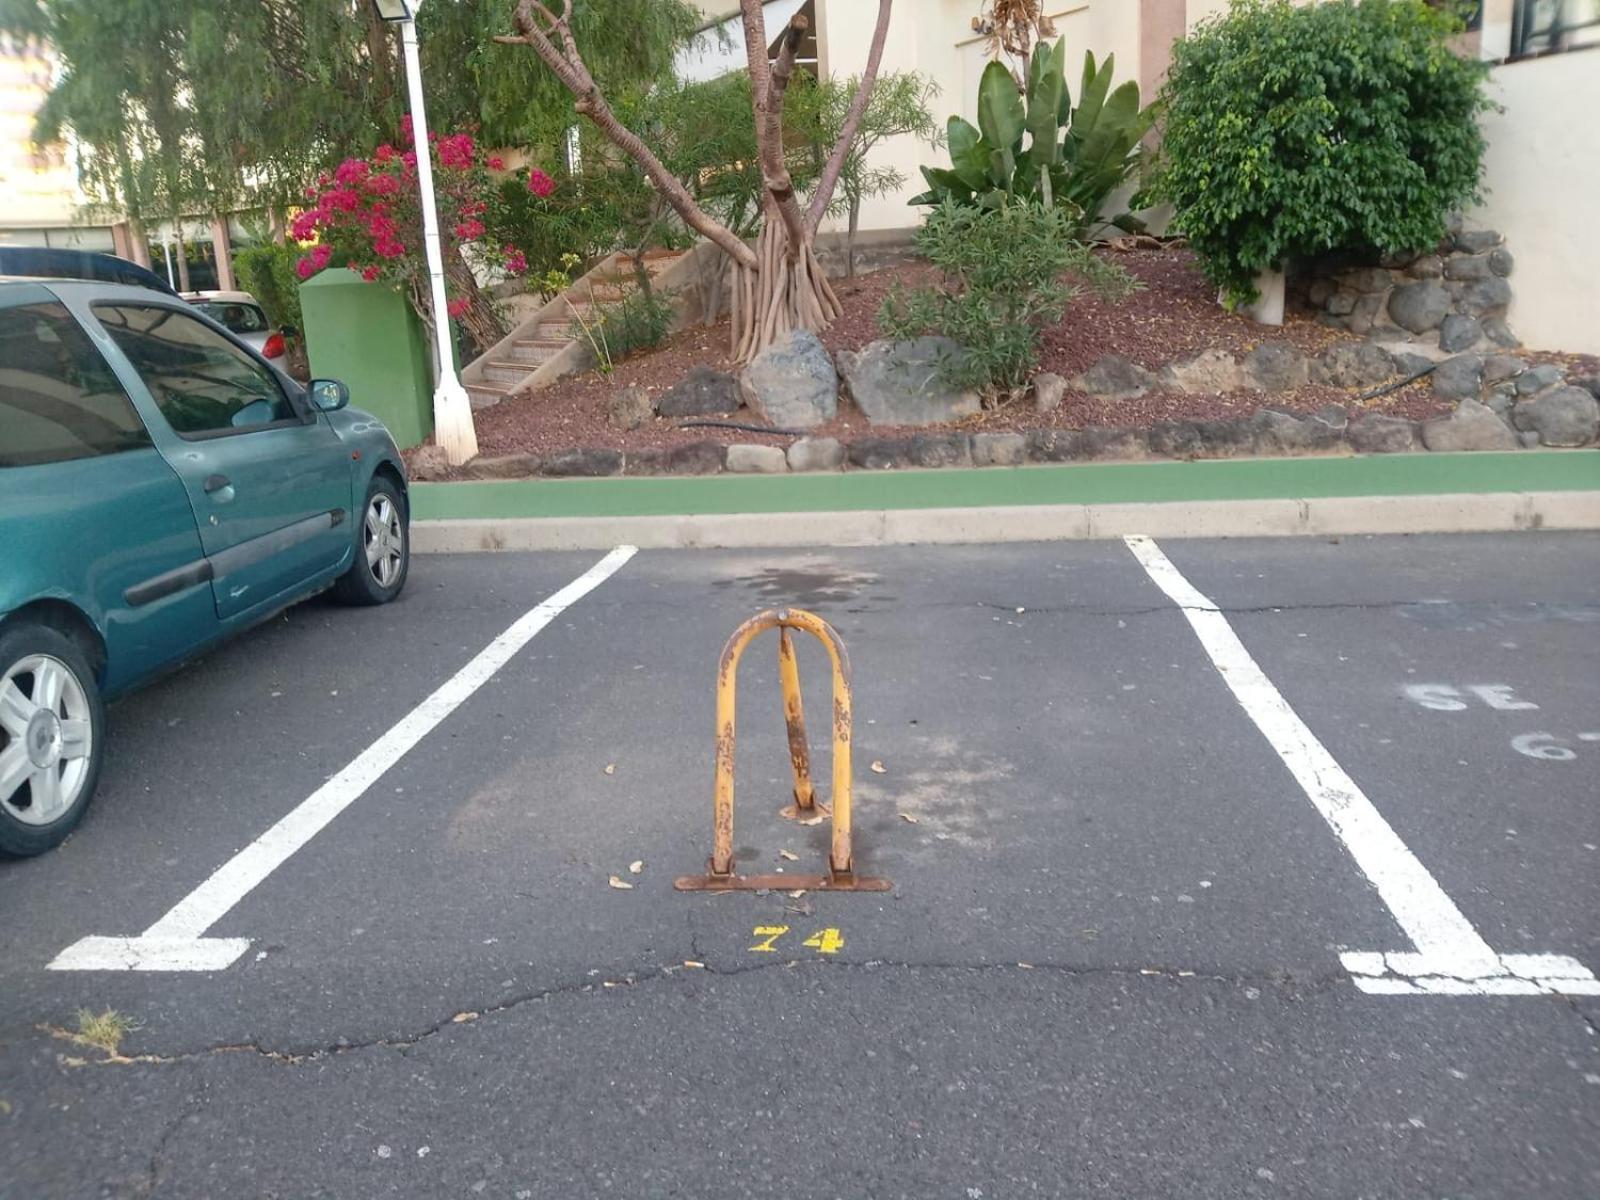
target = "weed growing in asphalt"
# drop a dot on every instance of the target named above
(104, 1030)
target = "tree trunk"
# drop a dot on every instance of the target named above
(481, 322)
(786, 289)
(850, 238)
(780, 285)
(183, 262)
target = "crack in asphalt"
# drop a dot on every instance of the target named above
(152, 1178)
(294, 1058)
(1592, 1022)
(1531, 608)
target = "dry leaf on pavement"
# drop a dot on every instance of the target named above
(636, 865)
(622, 885)
(877, 767)
(911, 818)
(790, 855)
(611, 768)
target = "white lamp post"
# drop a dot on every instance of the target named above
(452, 410)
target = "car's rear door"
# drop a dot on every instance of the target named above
(270, 482)
(90, 513)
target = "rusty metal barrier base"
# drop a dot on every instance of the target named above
(841, 876)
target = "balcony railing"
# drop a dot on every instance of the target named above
(1550, 26)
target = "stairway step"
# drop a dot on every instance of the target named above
(534, 352)
(486, 395)
(503, 370)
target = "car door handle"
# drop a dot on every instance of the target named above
(215, 483)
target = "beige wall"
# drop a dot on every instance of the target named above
(1542, 179)
(38, 185)
(936, 38)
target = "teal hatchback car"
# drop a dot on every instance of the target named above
(161, 487)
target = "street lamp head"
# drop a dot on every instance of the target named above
(396, 10)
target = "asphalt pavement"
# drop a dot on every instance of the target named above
(1142, 851)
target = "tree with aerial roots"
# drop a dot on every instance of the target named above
(778, 285)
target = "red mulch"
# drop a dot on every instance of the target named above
(1174, 314)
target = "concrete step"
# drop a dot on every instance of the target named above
(506, 370)
(535, 351)
(600, 293)
(655, 261)
(556, 331)
(486, 395)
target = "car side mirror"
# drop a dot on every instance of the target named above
(328, 395)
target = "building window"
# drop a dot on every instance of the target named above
(1551, 26)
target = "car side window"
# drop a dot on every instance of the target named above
(59, 398)
(202, 383)
(235, 318)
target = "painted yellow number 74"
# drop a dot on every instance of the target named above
(824, 941)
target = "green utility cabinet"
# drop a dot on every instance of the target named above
(366, 335)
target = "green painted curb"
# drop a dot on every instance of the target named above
(1078, 483)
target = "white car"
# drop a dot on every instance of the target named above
(240, 315)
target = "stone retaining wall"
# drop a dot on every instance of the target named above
(1455, 297)
(1560, 415)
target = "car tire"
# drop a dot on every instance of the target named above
(65, 739)
(382, 547)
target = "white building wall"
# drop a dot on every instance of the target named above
(1542, 184)
(935, 37)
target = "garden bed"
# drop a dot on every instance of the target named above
(1172, 317)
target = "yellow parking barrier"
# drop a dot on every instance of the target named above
(841, 874)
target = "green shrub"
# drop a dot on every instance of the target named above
(1003, 283)
(639, 321)
(587, 215)
(1077, 156)
(266, 271)
(1296, 131)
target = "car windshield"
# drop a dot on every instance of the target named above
(233, 316)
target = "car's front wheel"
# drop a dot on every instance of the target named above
(52, 725)
(383, 547)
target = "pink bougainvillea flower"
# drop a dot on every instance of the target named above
(408, 135)
(496, 163)
(458, 307)
(320, 255)
(540, 184)
(382, 184)
(409, 158)
(468, 230)
(456, 151)
(304, 269)
(370, 274)
(516, 263)
(351, 170)
(342, 200)
(304, 226)
(384, 153)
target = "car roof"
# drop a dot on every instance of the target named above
(216, 297)
(89, 289)
(61, 263)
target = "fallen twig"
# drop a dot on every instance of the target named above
(743, 428)
(1397, 384)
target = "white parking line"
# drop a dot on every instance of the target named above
(1449, 956)
(175, 942)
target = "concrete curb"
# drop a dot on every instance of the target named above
(1484, 512)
